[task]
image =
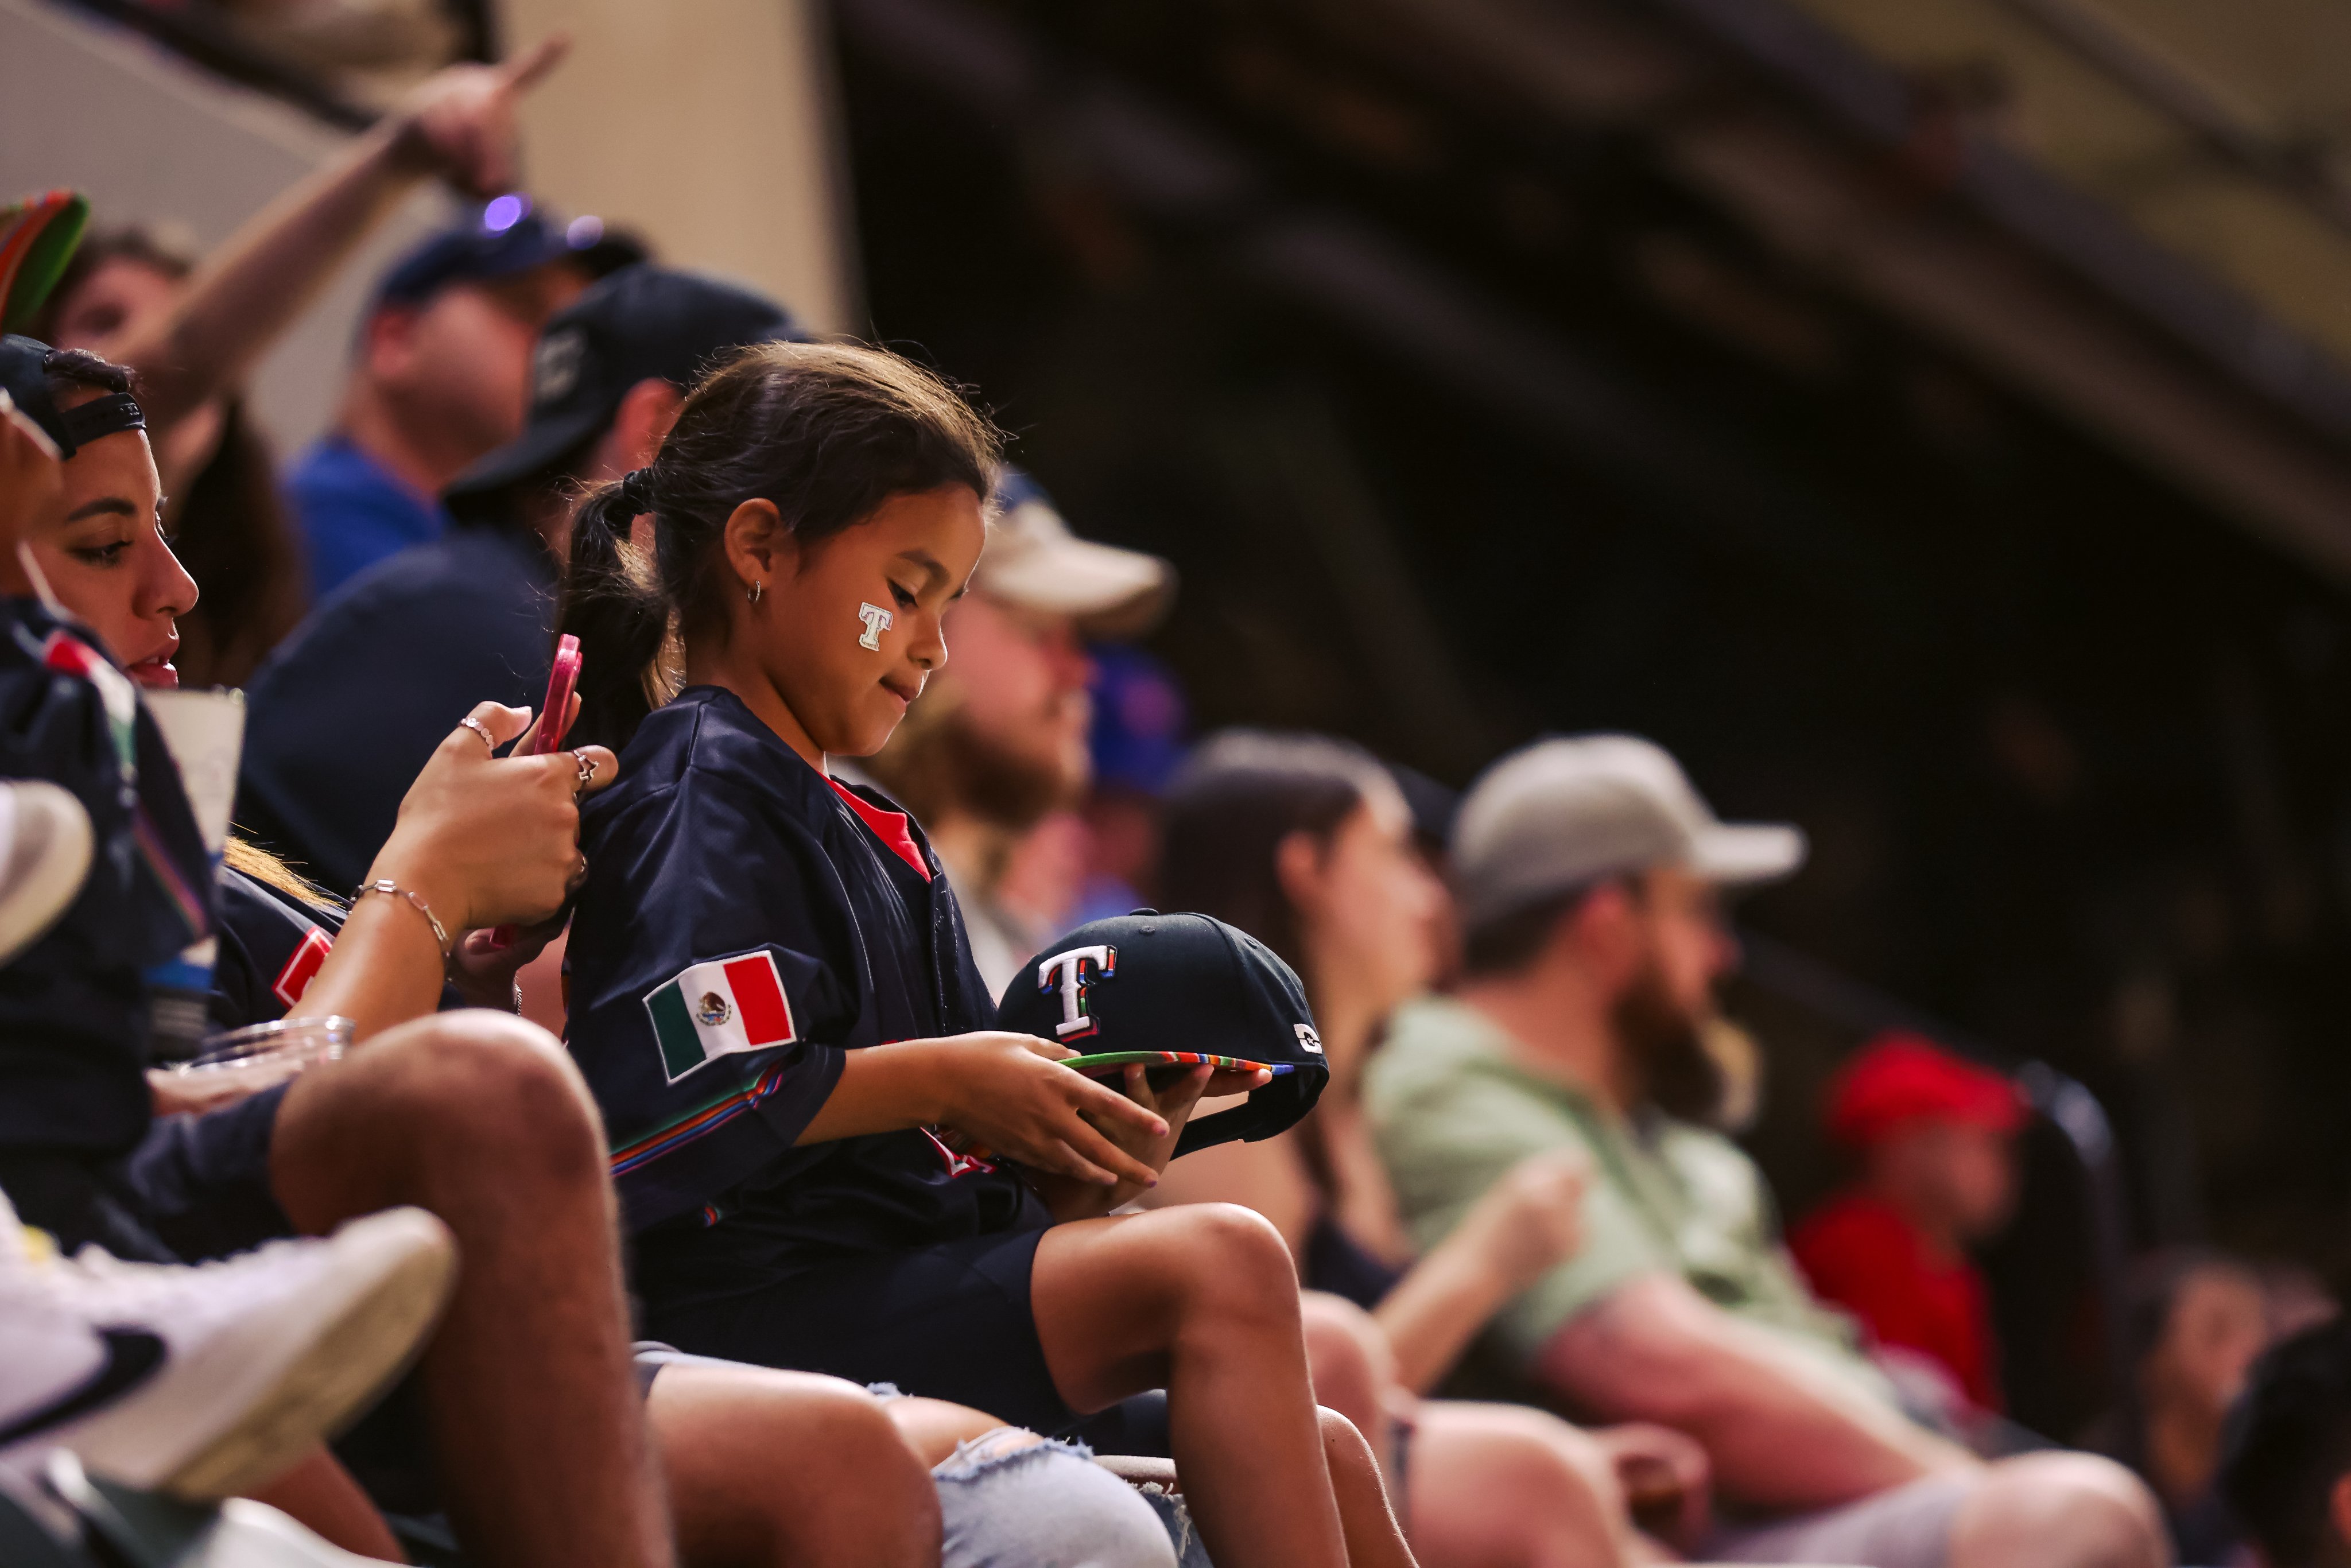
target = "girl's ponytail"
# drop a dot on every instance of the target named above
(826, 431)
(617, 612)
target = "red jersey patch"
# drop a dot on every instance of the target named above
(296, 977)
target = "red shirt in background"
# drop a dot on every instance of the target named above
(1861, 1254)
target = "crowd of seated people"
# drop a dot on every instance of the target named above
(672, 1193)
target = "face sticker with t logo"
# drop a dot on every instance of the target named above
(877, 620)
(1068, 972)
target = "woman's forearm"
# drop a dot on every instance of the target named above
(1436, 1310)
(265, 276)
(385, 969)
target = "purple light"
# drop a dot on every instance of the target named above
(504, 213)
(583, 232)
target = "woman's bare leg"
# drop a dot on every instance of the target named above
(1353, 1371)
(770, 1468)
(318, 1493)
(1375, 1540)
(1201, 1300)
(1499, 1486)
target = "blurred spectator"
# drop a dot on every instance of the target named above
(190, 337)
(999, 739)
(2198, 1321)
(1137, 742)
(352, 704)
(1046, 873)
(441, 377)
(2286, 1472)
(1306, 842)
(1589, 876)
(229, 528)
(1935, 1136)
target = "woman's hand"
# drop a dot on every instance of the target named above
(1666, 1478)
(1530, 1221)
(458, 123)
(491, 840)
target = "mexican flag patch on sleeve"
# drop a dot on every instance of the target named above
(712, 1010)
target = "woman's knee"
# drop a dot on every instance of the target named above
(1498, 1484)
(2073, 1510)
(1348, 1357)
(767, 1466)
(1011, 1496)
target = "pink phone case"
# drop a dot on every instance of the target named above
(548, 733)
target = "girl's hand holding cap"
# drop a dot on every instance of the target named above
(1006, 1092)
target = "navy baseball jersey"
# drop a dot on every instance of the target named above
(746, 922)
(270, 947)
(73, 1009)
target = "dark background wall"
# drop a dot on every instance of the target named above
(2068, 745)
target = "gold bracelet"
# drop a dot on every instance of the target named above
(440, 933)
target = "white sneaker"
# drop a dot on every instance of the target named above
(45, 848)
(205, 1381)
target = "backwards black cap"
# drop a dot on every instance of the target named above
(642, 323)
(1178, 987)
(25, 371)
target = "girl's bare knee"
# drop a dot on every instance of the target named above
(1232, 1260)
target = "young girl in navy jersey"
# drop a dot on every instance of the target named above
(771, 993)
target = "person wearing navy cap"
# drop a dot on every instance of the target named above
(349, 707)
(440, 375)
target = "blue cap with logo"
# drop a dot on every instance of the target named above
(505, 239)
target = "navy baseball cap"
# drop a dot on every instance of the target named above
(641, 323)
(504, 239)
(25, 373)
(1177, 991)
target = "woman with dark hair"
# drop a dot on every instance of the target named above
(1306, 843)
(222, 508)
(190, 334)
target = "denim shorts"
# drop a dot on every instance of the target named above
(1008, 1499)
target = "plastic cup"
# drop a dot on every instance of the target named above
(246, 1061)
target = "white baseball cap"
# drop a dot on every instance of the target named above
(1033, 560)
(1566, 813)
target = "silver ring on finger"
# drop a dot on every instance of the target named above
(479, 727)
(587, 770)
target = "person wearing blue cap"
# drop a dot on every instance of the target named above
(441, 377)
(349, 708)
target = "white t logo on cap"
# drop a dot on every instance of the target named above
(554, 368)
(1068, 972)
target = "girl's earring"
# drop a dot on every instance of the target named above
(754, 591)
(877, 620)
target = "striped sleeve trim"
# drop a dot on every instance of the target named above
(695, 1124)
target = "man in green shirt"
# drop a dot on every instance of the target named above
(1589, 873)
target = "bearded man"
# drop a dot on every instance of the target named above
(1589, 876)
(997, 740)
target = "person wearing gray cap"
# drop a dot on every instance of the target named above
(997, 740)
(1589, 876)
